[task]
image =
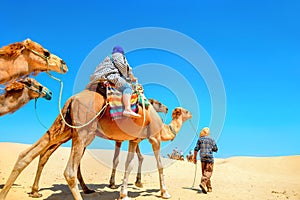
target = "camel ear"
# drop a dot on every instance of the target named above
(176, 113)
(27, 42)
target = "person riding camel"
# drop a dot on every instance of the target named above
(116, 70)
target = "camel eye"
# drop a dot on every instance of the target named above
(47, 53)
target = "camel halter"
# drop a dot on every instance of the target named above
(46, 58)
(33, 87)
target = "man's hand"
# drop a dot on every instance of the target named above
(195, 157)
(195, 160)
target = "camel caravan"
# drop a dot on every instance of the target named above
(77, 122)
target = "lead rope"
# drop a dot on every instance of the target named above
(36, 114)
(195, 174)
(59, 106)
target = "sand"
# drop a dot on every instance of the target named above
(233, 178)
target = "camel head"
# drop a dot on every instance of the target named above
(35, 89)
(180, 112)
(38, 58)
(159, 107)
(39, 55)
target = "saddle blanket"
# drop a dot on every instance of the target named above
(114, 98)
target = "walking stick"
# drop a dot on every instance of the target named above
(194, 176)
(196, 163)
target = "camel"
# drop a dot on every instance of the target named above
(19, 93)
(190, 158)
(22, 58)
(78, 110)
(159, 107)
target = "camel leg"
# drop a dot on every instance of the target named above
(156, 149)
(44, 157)
(24, 159)
(80, 140)
(138, 181)
(128, 168)
(70, 172)
(84, 187)
(112, 184)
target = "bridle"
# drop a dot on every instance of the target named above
(46, 58)
(33, 87)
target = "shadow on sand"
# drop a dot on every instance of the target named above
(198, 190)
(62, 192)
(14, 185)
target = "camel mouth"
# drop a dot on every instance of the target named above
(64, 69)
(48, 94)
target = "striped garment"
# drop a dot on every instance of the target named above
(114, 68)
(114, 98)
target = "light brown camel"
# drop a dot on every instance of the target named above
(190, 158)
(159, 107)
(19, 93)
(78, 110)
(22, 58)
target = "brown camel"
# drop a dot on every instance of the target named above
(22, 58)
(78, 110)
(19, 93)
(159, 107)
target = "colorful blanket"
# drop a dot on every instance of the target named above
(114, 98)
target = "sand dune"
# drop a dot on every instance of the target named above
(234, 178)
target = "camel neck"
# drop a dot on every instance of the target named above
(170, 131)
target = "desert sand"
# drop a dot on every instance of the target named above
(233, 178)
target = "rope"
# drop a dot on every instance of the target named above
(59, 106)
(36, 114)
(193, 128)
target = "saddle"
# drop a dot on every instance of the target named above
(114, 98)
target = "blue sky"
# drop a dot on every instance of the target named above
(255, 46)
